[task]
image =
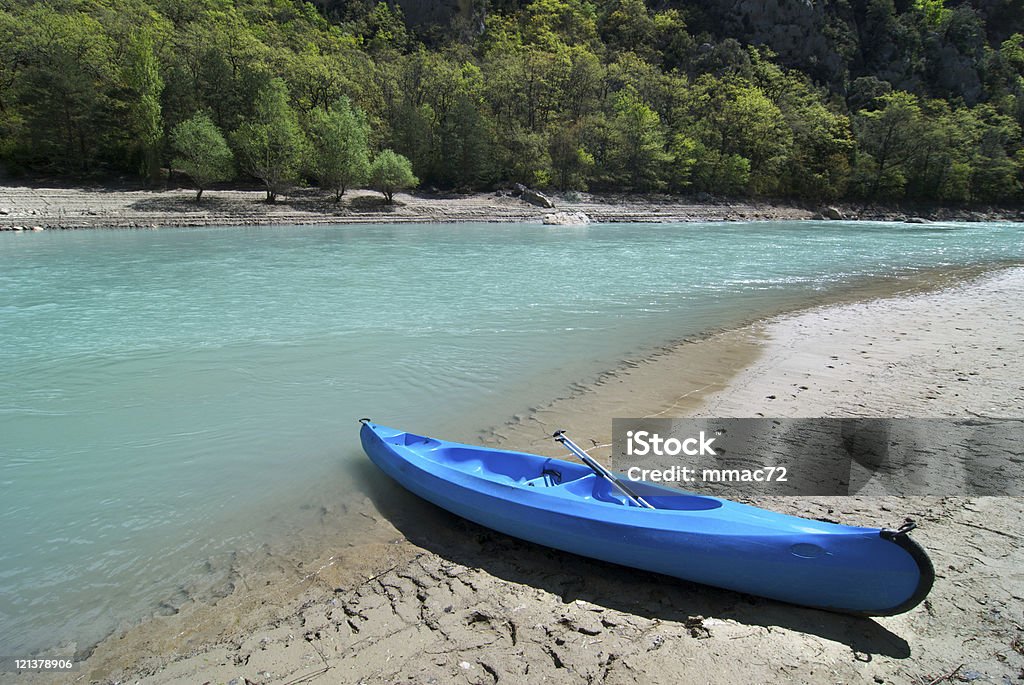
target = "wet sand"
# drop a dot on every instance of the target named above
(433, 598)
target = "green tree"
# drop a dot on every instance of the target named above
(638, 152)
(740, 133)
(391, 172)
(683, 151)
(934, 11)
(202, 152)
(142, 75)
(320, 76)
(547, 23)
(339, 149)
(524, 157)
(596, 130)
(465, 146)
(818, 166)
(719, 172)
(413, 133)
(652, 86)
(64, 92)
(939, 167)
(629, 27)
(570, 160)
(216, 59)
(384, 29)
(85, 90)
(14, 55)
(888, 140)
(996, 162)
(270, 145)
(442, 124)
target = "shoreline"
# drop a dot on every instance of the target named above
(685, 375)
(30, 208)
(426, 549)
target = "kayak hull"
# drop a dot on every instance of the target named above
(561, 504)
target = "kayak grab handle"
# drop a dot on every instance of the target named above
(890, 534)
(364, 420)
(600, 470)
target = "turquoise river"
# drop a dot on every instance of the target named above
(173, 399)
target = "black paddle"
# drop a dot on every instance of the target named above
(636, 499)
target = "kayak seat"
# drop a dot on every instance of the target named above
(574, 484)
(559, 474)
(491, 465)
(604, 492)
(410, 439)
(582, 488)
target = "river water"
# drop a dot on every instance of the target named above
(170, 399)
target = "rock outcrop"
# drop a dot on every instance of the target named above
(537, 198)
(534, 197)
(566, 219)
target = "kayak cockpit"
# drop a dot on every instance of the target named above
(554, 477)
(661, 498)
(420, 442)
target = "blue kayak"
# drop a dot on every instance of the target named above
(566, 505)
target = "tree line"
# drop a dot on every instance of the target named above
(271, 146)
(565, 94)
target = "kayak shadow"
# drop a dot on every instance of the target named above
(631, 591)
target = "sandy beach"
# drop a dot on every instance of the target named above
(41, 208)
(439, 599)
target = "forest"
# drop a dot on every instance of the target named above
(880, 101)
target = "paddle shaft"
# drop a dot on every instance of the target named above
(600, 470)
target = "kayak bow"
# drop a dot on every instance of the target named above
(565, 505)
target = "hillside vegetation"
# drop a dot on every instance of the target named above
(875, 100)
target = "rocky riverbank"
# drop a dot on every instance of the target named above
(28, 208)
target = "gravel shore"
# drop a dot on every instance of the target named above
(27, 208)
(49, 208)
